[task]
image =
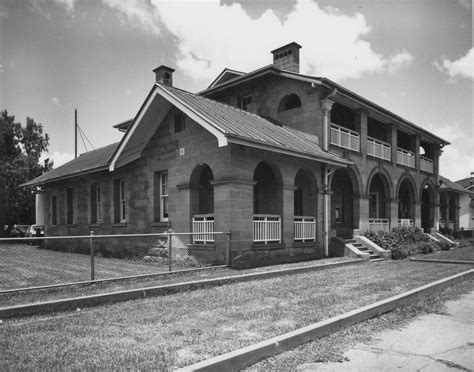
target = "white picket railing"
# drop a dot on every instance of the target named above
(379, 224)
(305, 229)
(266, 228)
(405, 222)
(442, 224)
(344, 137)
(405, 157)
(378, 148)
(203, 227)
(426, 164)
(451, 225)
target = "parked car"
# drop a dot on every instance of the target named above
(35, 231)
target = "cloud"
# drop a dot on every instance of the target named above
(466, 4)
(210, 36)
(55, 100)
(462, 67)
(68, 5)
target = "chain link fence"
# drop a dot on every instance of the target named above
(44, 261)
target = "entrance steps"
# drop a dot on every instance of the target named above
(362, 250)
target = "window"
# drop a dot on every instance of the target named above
(298, 202)
(96, 215)
(119, 201)
(289, 102)
(245, 101)
(54, 210)
(160, 181)
(69, 206)
(179, 123)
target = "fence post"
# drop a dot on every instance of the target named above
(91, 244)
(228, 260)
(170, 250)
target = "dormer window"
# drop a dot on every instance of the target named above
(245, 102)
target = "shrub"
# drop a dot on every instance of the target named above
(444, 246)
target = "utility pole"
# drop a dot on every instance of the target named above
(75, 133)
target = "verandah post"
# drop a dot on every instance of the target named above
(91, 244)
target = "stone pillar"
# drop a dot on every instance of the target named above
(392, 139)
(181, 219)
(326, 105)
(437, 212)
(417, 219)
(393, 213)
(39, 208)
(417, 153)
(361, 211)
(361, 127)
(287, 233)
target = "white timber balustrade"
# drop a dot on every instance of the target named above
(344, 137)
(266, 228)
(442, 224)
(305, 229)
(405, 222)
(451, 225)
(203, 229)
(426, 164)
(378, 148)
(379, 224)
(405, 157)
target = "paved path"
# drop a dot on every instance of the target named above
(431, 342)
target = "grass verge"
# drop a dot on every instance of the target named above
(178, 330)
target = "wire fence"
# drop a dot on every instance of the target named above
(44, 261)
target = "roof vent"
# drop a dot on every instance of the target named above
(287, 57)
(164, 75)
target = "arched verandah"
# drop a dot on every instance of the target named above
(427, 207)
(406, 202)
(202, 204)
(305, 206)
(379, 203)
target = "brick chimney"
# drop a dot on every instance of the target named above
(287, 57)
(471, 181)
(164, 75)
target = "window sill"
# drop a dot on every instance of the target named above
(119, 224)
(161, 224)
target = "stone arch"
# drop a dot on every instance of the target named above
(406, 196)
(379, 192)
(428, 204)
(268, 189)
(387, 179)
(289, 102)
(305, 194)
(202, 190)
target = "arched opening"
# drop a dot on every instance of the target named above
(406, 203)
(443, 212)
(427, 208)
(289, 102)
(202, 204)
(379, 193)
(305, 207)
(267, 204)
(342, 203)
(452, 213)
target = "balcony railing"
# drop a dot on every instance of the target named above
(266, 228)
(379, 224)
(203, 227)
(405, 157)
(442, 224)
(305, 229)
(426, 164)
(451, 225)
(345, 138)
(379, 149)
(405, 222)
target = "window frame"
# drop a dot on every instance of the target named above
(95, 204)
(70, 206)
(245, 101)
(54, 210)
(163, 196)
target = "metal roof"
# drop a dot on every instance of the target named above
(87, 162)
(448, 185)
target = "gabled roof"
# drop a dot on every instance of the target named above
(87, 162)
(448, 185)
(465, 182)
(224, 76)
(341, 91)
(229, 125)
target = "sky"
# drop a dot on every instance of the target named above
(413, 57)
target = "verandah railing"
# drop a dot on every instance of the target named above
(378, 149)
(345, 138)
(379, 224)
(305, 229)
(405, 157)
(426, 164)
(203, 229)
(266, 228)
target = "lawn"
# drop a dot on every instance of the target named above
(177, 330)
(456, 254)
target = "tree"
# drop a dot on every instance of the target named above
(20, 152)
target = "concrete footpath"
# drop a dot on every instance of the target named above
(431, 342)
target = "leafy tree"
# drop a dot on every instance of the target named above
(20, 152)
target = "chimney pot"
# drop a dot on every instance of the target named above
(164, 75)
(287, 57)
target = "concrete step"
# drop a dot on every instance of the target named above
(350, 241)
(378, 259)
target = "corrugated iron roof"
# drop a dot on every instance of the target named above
(246, 126)
(85, 163)
(448, 185)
